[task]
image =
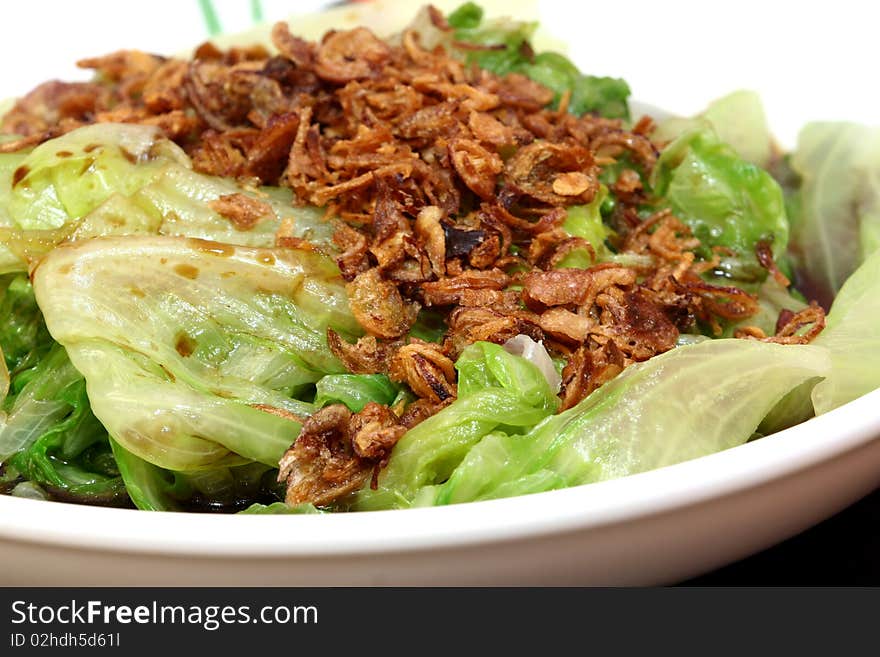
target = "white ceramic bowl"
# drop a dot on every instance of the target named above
(656, 527)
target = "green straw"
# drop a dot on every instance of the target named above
(256, 11)
(210, 16)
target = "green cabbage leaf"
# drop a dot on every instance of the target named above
(497, 391)
(852, 335)
(686, 403)
(125, 179)
(196, 354)
(725, 200)
(836, 207)
(507, 50)
(739, 121)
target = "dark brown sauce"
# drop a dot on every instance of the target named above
(214, 248)
(185, 345)
(265, 257)
(128, 155)
(187, 271)
(86, 166)
(19, 174)
(168, 373)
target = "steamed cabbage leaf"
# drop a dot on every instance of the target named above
(852, 335)
(725, 200)
(67, 177)
(836, 224)
(40, 404)
(739, 121)
(194, 352)
(9, 164)
(507, 50)
(152, 488)
(49, 436)
(356, 390)
(796, 406)
(72, 459)
(585, 221)
(23, 335)
(125, 179)
(280, 508)
(689, 402)
(496, 391)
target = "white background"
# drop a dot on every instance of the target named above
(809, 60)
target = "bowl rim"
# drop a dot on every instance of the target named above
(576, 509)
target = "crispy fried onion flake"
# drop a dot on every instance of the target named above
(337, 452)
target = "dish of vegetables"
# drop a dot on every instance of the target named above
(373, 272)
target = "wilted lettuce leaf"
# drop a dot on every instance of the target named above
(40, 403)
(605, 96)
(9, 164)
(178, 200)
(496, 391)
(50, 437)
(689, 402)
(773, 298)
(430, 325)
(51, 446)
(27, 490)
(23, 335)
(355, 390)
(725, 200)
(194, 352)
(72, 458)
(585, 221)
(280, 508)
(602, 95)
(67, 177)
(467, 16)
(852, 335)
(24, 374)
(836, 218)
(123, 179)
(152, 488)
(794, 408)
(739, 121)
